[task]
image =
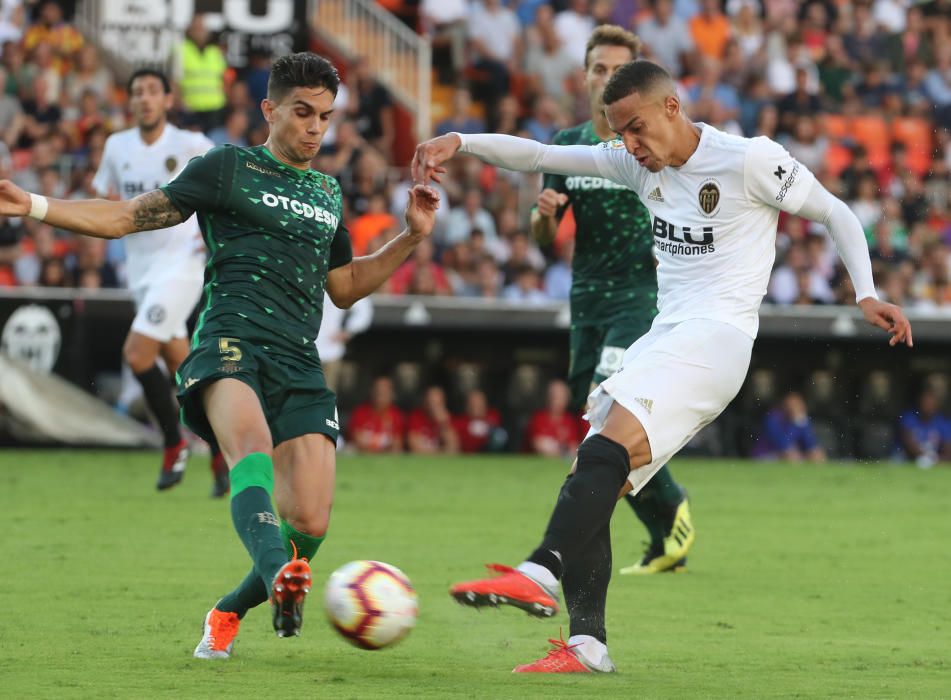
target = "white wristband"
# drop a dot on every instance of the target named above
(39, 205)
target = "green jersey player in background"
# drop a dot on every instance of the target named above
(253, 380)
(613, 289)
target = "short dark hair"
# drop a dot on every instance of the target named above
(304, 69)
(637, 76)
(145, 72)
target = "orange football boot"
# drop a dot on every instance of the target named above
(218, 636)
(290, 587)
(511, 587)
(565, 658)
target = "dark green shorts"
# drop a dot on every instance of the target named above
(596, 354)
(295, 399)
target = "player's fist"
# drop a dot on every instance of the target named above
(550, 201)
(421, 210)
(13, 200)
(430, 155)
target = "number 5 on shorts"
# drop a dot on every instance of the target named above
(228, 347)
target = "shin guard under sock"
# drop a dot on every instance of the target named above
(160, 402)
(585, 585)
(585, 503)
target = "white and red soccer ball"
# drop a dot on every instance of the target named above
(370, 603)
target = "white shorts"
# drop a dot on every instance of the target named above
(163, 308)
(675, 379)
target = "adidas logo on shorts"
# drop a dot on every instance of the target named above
(646, 403)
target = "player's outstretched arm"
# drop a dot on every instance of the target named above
(363, 276)
(501, 150)
(846, 231)
(100, 218)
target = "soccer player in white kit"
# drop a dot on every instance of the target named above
(165, 267)
(714, 201)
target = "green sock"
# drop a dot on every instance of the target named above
(252, 481)
(652, 505)
(647, 512)
(306, 545)
(252, 592)
(663, 489)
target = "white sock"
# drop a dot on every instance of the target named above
(590, 648)
(538, 573)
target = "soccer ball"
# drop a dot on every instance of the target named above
(370, 603)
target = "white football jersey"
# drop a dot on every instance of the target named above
(714, 222)
(131, 167)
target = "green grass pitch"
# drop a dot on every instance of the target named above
(804, 582)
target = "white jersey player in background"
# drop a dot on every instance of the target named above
(165, 268)
(714, 199)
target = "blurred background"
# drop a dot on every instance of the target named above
(465, 347)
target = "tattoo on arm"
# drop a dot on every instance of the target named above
(154, 210)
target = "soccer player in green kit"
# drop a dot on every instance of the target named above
(613, 289)
(253, 379)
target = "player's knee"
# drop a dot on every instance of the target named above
(599, 453)
(311, 522)
(138, 358)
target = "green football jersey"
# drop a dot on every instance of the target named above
(613, 268)
(273, 232)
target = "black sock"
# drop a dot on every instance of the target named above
(585, 503)
(585, 584)
(160, 402)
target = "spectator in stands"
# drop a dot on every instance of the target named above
(479, 429)
(549, 63)
(573, 26)
(788, 434)
(50, 30)
(378, 425)
(495, 43)
(445, 22)
(372, 108)
(337, 328)
(558, 275)
(461, 120)
(525, 287)
(925, 432)
(553, 431)
(545, 121)
(471, 215)
(371, 223)
(806, 144)
(489, 279)
(796, 280)
(421, 274)
(429, 428)
(200, 68)
(234, 130)
(798, 103)
(89, 75)
(710, 29)
(667, 38)
(11, 114)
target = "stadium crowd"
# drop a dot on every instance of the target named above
(860, 92)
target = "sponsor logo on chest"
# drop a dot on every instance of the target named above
(308, 211)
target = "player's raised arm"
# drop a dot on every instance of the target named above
(362, 276)
(510, 152)
(100, 218)
(846, 230)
